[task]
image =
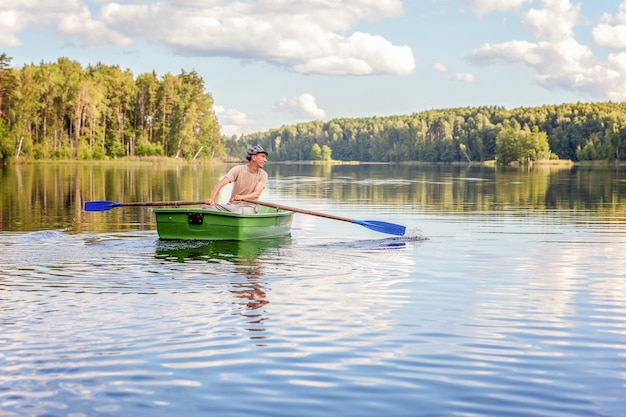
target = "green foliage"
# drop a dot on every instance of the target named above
(145, 148)
(6, 143)
(84, 153)
(61, 110)
(572, 131)
(115, 149)
(522, 146)
(316, 152)
(39, 152)
(509, 146)
(62, 152)
(98, 153)
(327, 153)
(236, 148)
(463, 149)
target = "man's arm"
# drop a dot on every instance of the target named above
(218, 187)
(254, 195)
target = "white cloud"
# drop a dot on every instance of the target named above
(10, 23)
(557, 58)
(464, 76)
(303, 105)
(555, 21)
(69, 18)
(545, 57)
(613, 36)
(440, 67)
(308, 36)
(611, 31)
(232, 122)
(360, 54)
(481, 7)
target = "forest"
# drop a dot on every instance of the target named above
(61, 110)
(577, 132)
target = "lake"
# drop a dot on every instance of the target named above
(506, 297)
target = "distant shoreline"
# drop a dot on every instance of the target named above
(165, 161)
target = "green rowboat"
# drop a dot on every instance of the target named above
(201, 224)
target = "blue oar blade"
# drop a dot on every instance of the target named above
(100, 205)
(382, 227)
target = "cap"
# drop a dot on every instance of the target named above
(255, 150)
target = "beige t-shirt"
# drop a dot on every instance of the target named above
(245, 181)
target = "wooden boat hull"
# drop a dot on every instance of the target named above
(201, 224)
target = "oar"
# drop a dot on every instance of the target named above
(378, 226)
(104, 205)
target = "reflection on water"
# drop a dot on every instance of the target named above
(247, 256)
(52, 196)
(414, 237)
(506, 297)
(236, 252)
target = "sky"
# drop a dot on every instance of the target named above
(269, 63)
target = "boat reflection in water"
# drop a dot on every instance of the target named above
(237, 252)
(244, 259)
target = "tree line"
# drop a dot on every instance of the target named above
(62, 110)
(578, 132)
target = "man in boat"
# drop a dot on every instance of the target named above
(248, 183)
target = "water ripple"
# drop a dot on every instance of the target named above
(457, 324)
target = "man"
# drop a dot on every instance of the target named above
(249, 181)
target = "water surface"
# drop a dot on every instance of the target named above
(506, 297)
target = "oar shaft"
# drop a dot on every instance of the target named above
(378, 226)
(104, 205)
(297, 210)
(162, 203)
